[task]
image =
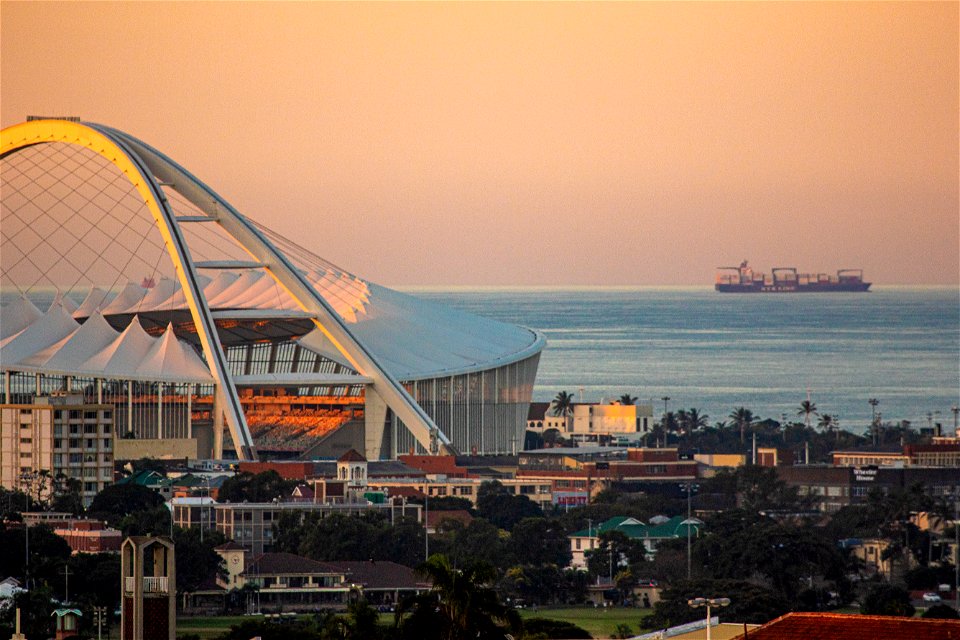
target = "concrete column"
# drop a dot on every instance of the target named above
(217, 423)
(374, 419)
(160, 410)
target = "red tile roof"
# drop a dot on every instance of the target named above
(839, 626)
(380, 575)
(273, 564)
(351, 455)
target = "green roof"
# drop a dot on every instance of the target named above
(634, 529)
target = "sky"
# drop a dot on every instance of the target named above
(536, 143)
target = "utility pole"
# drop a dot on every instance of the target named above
(426, 525)
(66, 587)
(99, 613)
(688, 530)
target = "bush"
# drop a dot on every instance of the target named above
(941, 612)
(887, 600)
(546, 628)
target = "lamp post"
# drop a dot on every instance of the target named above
(708, 602)
(690, 521)
(873, 402)
(956, 417)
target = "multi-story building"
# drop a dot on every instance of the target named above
(944, 452)
(251, 525)
(56, 435)
(591, 421)
(660, 528)
(577, 473)
(832, 488)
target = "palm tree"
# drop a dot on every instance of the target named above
(461, 603)
(627, 399)
(696, 420)
(681, 417)
(563, 406)
(807, 409)
(743, 418)
(828, 423)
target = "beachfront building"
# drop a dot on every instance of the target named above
(594, 421)
(203, 330)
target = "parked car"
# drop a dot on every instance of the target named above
(931, 597)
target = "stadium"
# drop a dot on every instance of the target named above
(139, 297)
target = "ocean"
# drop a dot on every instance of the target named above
(716, 352)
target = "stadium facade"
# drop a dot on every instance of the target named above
(135, 288)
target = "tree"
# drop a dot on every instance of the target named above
(118, 500)
(147, 522)
(66, 495)
(460, 604)
(828, 424)
(941, 612)
(806, 410)
(548, 628)
(539, 541)
(887, 600)
(36, 607)
(627, 399)
(262, 487)
(197, 561)
(743, 418)
(749, 602)
(498, 505)
(563, 406)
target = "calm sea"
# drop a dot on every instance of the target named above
(715, 352)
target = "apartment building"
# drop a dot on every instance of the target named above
(57, 434)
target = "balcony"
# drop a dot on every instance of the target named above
(150, 585)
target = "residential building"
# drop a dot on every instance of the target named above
(56, 434)
(583, 542)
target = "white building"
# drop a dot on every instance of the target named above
(178, 310)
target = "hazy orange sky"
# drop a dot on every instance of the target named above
(536, 143)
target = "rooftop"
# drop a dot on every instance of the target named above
(839, 626)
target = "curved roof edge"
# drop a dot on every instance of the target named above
(533, 349)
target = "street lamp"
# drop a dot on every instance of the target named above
(873, 402)
(956, 419)
(708, 602)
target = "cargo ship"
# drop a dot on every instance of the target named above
(742, 279)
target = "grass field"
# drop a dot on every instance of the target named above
(208, 626)
(601, 623)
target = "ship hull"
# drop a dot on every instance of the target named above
(792, 287)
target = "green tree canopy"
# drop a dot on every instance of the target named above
(262, 487)
(118, 500)
(887, 600)
(498, 505)
(748, 602)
